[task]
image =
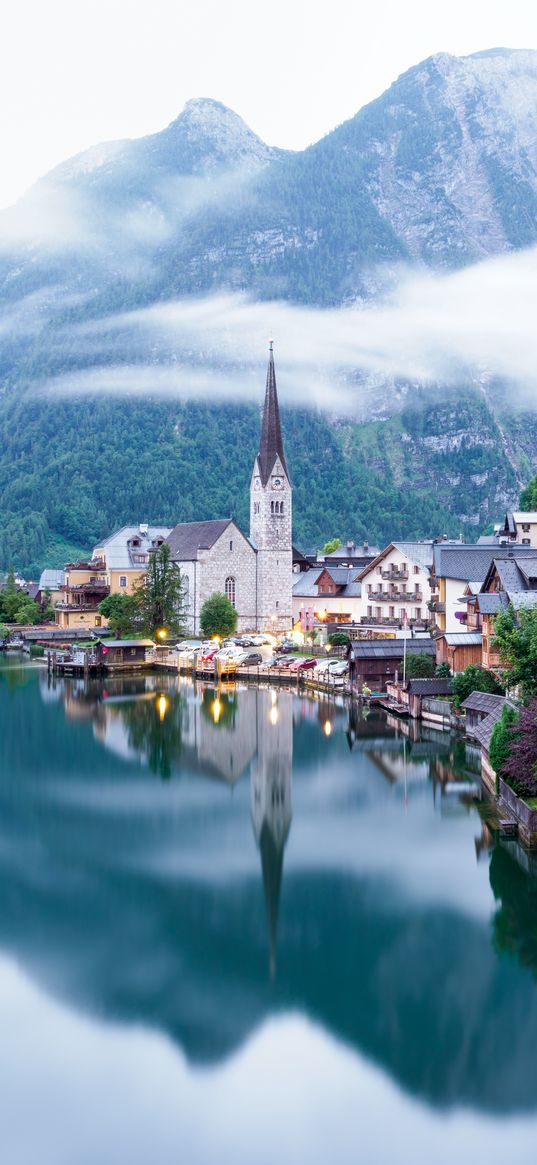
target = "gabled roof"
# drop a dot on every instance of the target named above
(420, 553)
(271, 443)
(51, 580)
(187, 538)
(430, 686)
(343, 576)
(484, 702)
(389, 648)
(461, 638)
(118, 552)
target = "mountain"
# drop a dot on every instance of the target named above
(436, 174)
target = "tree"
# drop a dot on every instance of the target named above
(419, 666)
(218, 616)
(528, 497)
(160, 595)
(27, 612)
(339, 639)
(515, 640)
(443, 671)
(11, 598)
(502, 739)
(520, 768)
(334, 544)
(122, 614)
(475, 679)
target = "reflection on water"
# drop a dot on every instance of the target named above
(199, 862)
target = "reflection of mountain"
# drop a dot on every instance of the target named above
(140, 902)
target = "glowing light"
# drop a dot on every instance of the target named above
(273, 698)
(327, 728)
(162, 706)
(162, 633)
(327, 648)
(216, 639)
(216, 709)
(274, 715)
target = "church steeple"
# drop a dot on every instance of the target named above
(271, 443)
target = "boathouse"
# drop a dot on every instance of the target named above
(376, 662)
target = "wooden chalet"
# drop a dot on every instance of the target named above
(125, 654)
(459, 649)
(376, 662)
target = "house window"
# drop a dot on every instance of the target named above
(526, 527)
(123, 580)
(139, 558)
(417, 612)
(230, 589)
(277, 603)
(525, 542)
(257, 507)
(392, 612)
(416, 570)
(378, 612)
(369, 611)
(231, 545)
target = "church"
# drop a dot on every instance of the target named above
(255, 571)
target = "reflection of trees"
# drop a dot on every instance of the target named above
(16, 675)
(154, 729)
(515, 921)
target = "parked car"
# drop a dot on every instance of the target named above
(285, 647)
(302, 664)
(208, 655)
(249, 659)
(278, 661)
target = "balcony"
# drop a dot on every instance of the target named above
(395, 596)
(414, 624)
(395, 574)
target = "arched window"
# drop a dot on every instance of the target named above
(230, 589)
(272, 507)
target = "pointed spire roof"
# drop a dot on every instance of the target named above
(271, 443)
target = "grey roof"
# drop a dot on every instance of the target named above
(431, 686)
(467, 563)
(128, 643)
(523, 599)
(490, 602)
(390, 648)
(359, 551)
(527, 567)
(271, 443)
(509, 574)
(187, 538)
(51, 580)
(484, 702)
(118, 554)
(464, 638)
(419, 552)
(343, 576)
(306, 582)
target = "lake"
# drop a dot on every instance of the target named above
(250, 926)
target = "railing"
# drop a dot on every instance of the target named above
(395, 574)
(395, 596)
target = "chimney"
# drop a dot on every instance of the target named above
(350, 545)
(444, 537)
(366, 544)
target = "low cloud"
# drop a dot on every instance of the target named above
(471, 325)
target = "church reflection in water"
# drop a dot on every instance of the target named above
(209, 731)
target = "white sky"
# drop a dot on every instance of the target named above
(75, 72)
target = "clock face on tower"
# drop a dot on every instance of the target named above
(277, 483)
(257, 483)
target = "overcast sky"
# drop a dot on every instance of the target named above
(74, 72)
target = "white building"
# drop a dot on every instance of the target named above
(396, 585)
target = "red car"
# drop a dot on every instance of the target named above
(302, 664)
(208, 656)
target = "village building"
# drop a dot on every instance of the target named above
(510, 580)
(377, 662)
(459, 649)
(254, 571)
(459, 570)
(327, 594)
(482, 711)
(396, 588)
(519, 526)
(115, 566)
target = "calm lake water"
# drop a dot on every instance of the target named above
(251, 928)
